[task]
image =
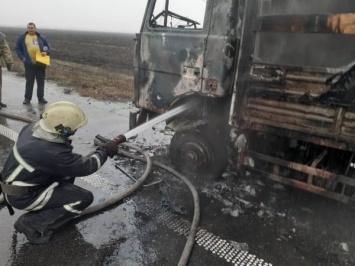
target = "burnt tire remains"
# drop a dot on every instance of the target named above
(198, 153)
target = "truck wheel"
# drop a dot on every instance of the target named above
(196, 153)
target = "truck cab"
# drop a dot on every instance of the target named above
(263, 76)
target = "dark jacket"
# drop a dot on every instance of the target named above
(21, 48)
(53, 162)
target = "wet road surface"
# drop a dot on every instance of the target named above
(244, 221)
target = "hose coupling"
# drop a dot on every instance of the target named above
(120, 139)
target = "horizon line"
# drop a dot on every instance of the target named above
(63, 29)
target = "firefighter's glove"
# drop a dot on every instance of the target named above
(9, 66)
(111, 148)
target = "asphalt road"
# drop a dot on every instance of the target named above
(244, 221)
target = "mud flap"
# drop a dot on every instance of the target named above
(138, 118)
(133, 119)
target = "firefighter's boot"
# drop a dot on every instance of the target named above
(40, 226)
(23, 225)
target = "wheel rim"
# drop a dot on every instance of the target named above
(195, 156)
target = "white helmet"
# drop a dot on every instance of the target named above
(62, 118)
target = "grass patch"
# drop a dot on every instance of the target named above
(88, 81)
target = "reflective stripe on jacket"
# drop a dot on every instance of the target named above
(44, 163)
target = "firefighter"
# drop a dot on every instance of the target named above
(5, 60)
(38, 176)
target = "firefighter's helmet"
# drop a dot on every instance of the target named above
(62, 118)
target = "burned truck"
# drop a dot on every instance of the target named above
(271, 78)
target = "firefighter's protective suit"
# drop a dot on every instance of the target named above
(39, 174)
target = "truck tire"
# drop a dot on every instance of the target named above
(198, 153)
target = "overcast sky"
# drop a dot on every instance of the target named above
(91, 15)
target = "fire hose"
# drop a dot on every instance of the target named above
(16, 117)
(196, 218)
(103, 205)
(99, 140)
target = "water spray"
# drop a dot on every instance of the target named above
(158, 119)
(124, 137)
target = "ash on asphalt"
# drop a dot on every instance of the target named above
(265, 219)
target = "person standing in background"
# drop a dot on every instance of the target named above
(28, 44)
(5, 60)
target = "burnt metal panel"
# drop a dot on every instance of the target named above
(173, 66)
(301, 185)
(273, 99)
(335, 23)
(222, 46)
(325, 33)
(311, 171)
(283, 67)
(170, 63)
(273, 74)
(306, 7)
(247, 11)
(321, 141)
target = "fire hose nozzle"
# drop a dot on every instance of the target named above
(100, 140)
(120, 139)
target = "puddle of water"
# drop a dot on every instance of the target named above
(129, 253)
(111, 227)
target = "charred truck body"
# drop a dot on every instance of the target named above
(273, 72)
